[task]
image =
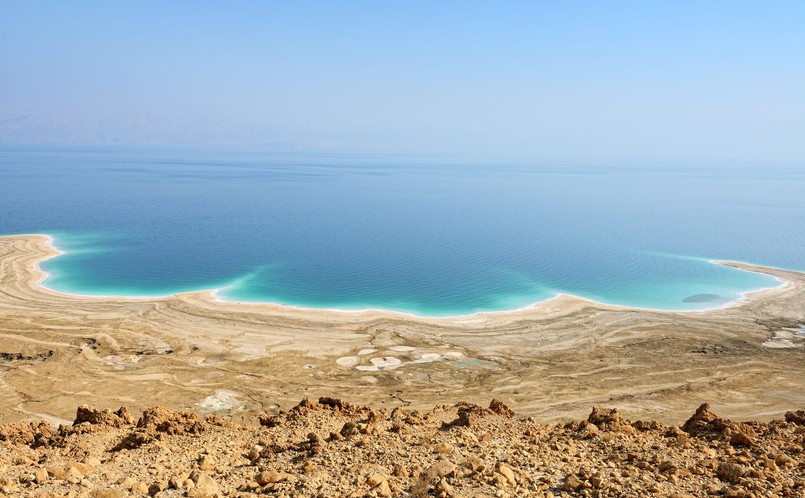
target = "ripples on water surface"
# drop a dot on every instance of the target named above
(430, 236)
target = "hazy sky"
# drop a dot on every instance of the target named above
(644, 79)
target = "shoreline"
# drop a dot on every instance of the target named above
(743, 296)
(551, 361)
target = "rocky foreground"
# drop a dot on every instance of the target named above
(333, 448)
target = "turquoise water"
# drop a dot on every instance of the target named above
(431, 236)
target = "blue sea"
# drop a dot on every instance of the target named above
(429, 235)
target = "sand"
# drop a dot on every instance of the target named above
(551, 361)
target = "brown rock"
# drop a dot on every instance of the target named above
(159, 419)
(253, 456)
(376, 479)
(782, 460)
(443, 448)
(730, 472)
(704, 421)
(474, 463)
(126, 483)
(609, 420)
(383, 489)
(206, 463)
(177, 482)
(443, 488)
(349, 429)
(139, 487)
(41, 475)
(741, 439)
(204, 486)
(572, 483)
(797, 417)
(26, 433)
(79, 469)
(501, 409)
(438, 470)
(507, 472)
(57, 473)
(270, 477)
(157, 487)
(107, 493)
(468, 415)
(400, 471)
(119, 418)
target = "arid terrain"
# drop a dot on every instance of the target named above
(230, 367)
(332, 448)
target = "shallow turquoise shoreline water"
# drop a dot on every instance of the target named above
(419, 235)
(694, 302)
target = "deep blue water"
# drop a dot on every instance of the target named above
(426, 235)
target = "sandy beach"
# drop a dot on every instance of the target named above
(552, 361)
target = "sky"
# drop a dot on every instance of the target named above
(646, 79)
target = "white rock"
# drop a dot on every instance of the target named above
(347, 361)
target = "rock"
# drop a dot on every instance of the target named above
(704, 421)
(73, 471)
(443, 448)
(204, 485)
(713, 489)
(107, 417)
(176, 482)
(443, 488)
(206, 463)
(572, 483)
(157, 487)
(382, 489)
(474, 463)
(468, 415)
(139, 487)
(438, 470)
(501, 409)
(797, 417)
(41, 475)
(469, 437)
(349, 429)
(126, 483)
(421, 461)
(609, 420)
(107, 493)
(78, 469)
(376, 479)
(159, 419)
(8, 486)
(270, 477)
(741, 439)
(400, 471)
(730, 472)
(507, 472)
